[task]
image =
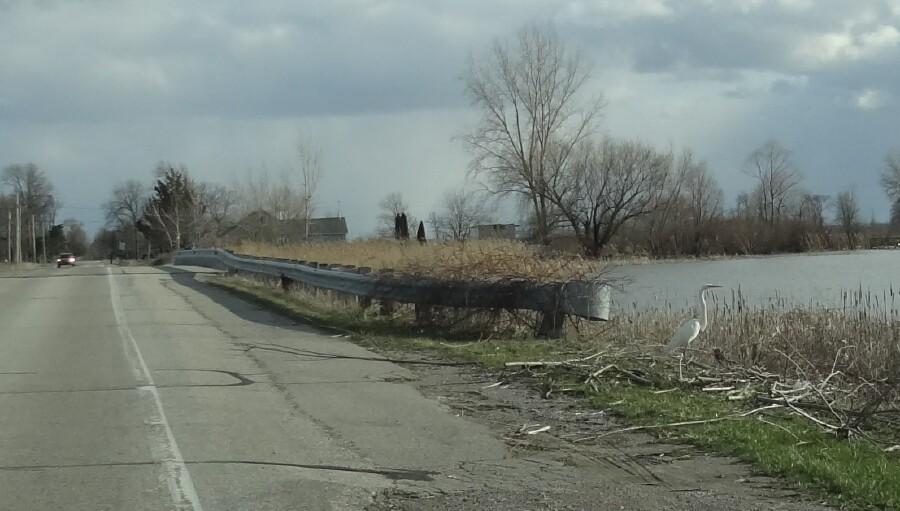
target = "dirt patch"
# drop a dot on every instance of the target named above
(550, 470)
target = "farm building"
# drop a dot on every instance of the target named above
(264, 227)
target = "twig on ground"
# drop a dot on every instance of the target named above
(597, 373)
(684, 423)
(635, 378)
(538, 363)
(799, 411)
(786, 430)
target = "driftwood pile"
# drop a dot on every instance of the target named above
(840, 404)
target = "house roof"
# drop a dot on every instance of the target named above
(327, 226)
(496, 226)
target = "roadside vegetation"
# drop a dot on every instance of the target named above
(811, 395)
(473, 259)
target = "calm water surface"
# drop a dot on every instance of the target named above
(809, 279)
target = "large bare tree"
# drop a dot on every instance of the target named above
(460, 213)
(609, 184)
(777, 180)
(533, 116)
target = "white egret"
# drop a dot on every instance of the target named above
(690, 329)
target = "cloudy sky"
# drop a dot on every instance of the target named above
(96, 91)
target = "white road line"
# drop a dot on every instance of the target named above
(178, 478)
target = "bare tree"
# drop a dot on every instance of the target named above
(705, 199)
(258, 191)
(309, 158)
(777, 179)
(812, 210)
(461, 212)
(436, 226)
(531, 119)
(610, 184)
(34, 188)
(391, 206)
(125, 208)
(847, 215)
(666, 223)
(36, 196)
(213, 213)
(890, 175)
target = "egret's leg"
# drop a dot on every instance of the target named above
(680, 364)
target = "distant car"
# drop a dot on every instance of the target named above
(65, 259)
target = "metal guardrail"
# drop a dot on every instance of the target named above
(584, 299)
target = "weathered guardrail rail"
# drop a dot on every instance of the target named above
(554, 301)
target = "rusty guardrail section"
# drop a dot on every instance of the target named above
(554, 301)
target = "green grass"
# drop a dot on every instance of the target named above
(384, 333)
(850, 471)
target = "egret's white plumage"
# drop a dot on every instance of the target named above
(690, 329)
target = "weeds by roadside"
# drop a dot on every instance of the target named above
(474, 259)
(788, 367)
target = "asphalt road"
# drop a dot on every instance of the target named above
(144, 389)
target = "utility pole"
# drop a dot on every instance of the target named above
(44, 241)
(18, 230)
(9, 236)
(33, 240)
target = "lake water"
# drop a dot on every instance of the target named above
(817, 279)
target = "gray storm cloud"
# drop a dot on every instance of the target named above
(97, 91)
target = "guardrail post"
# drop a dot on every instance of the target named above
(551, 325)
(386, 308)
(424, 314)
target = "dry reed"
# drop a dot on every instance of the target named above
(855, 344)
(474, 259)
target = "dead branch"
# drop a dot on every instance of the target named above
(799, 411)
(681, 424)
(529, 365)
(779, 426)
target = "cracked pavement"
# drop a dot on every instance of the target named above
(185, 417)
(147, 389)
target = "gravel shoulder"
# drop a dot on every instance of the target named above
(466, 428)
(550, 470)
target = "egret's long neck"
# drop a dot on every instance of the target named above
(703, 319)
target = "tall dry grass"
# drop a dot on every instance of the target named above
(855, 344)
(473, 259)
